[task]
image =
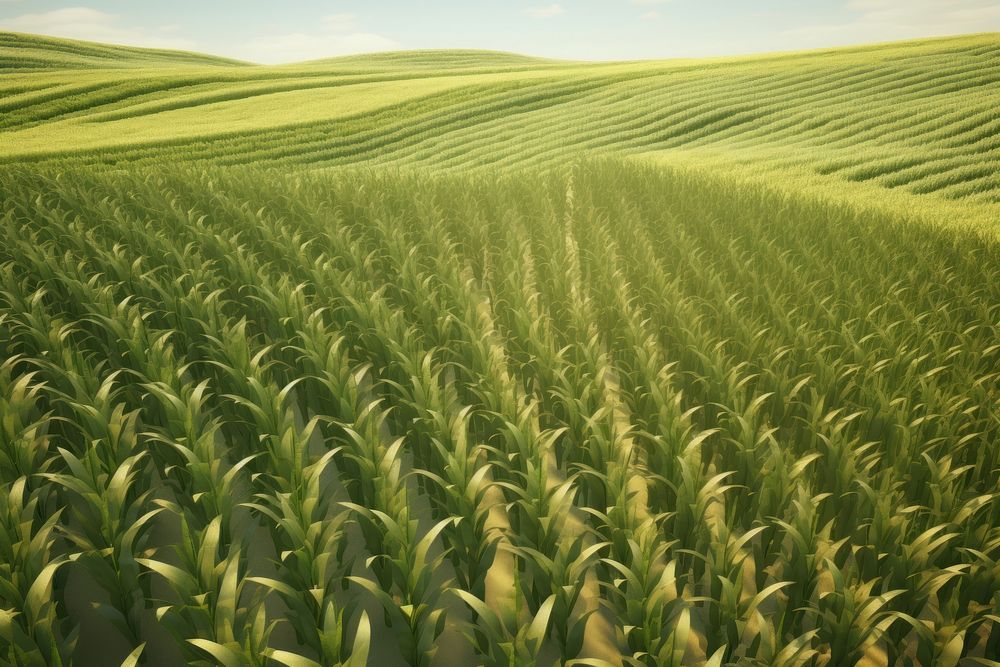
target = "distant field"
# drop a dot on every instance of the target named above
(464, 357)
(915, 117)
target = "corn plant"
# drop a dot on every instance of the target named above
(607, 413)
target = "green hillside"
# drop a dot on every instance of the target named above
(914, 117)
(434, 60)
(21, 53)
(468, 358)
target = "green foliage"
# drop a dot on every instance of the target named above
(616, 412)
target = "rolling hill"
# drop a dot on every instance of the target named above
(31, 53)
(914, 117)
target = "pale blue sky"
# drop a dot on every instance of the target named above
(274, 32)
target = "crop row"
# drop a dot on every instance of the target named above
(923, 122)
(325, 419)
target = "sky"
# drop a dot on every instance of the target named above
(289, 31)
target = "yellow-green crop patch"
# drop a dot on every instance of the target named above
(249, 110)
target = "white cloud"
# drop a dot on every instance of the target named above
(544, 11)
(899, 19)
(651, 14)
(344, 22)
(94, 25)
(335, 35)
(297, 46)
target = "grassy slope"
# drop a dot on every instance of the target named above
(38, 52)
(914, 117)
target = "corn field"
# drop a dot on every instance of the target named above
(469, 358)
(252, 417)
